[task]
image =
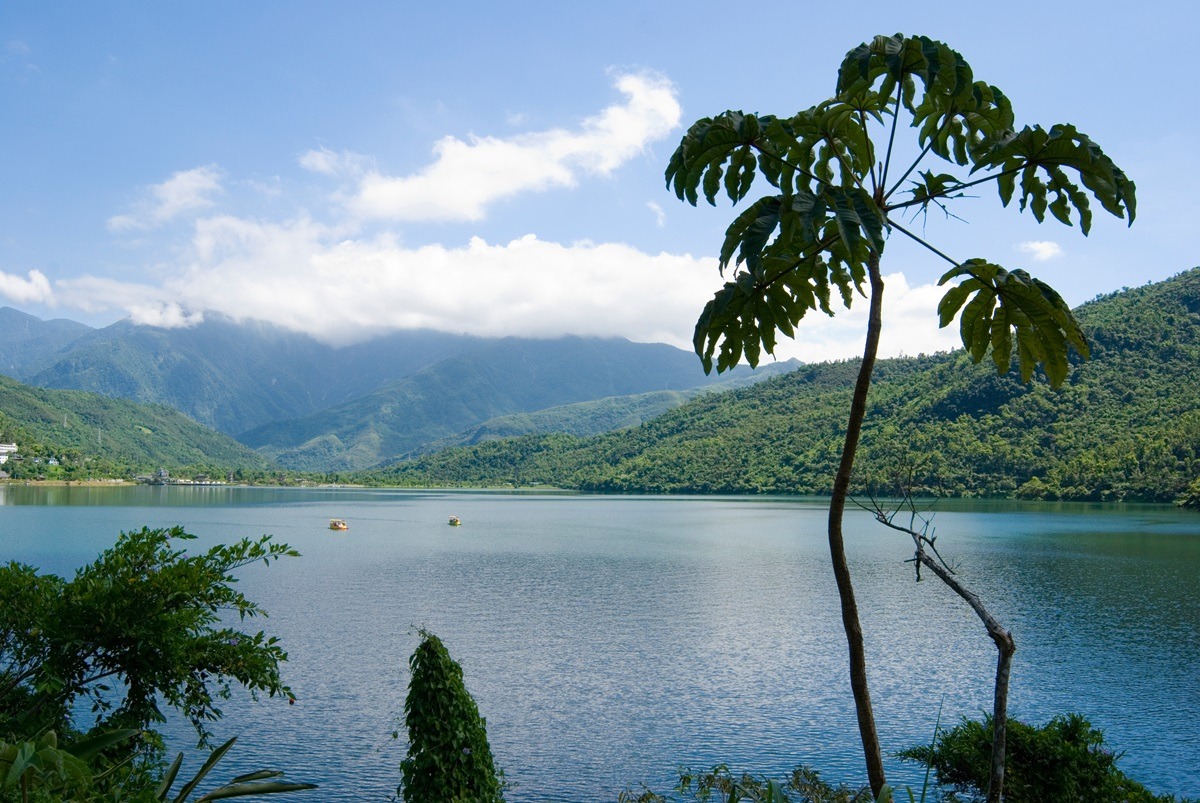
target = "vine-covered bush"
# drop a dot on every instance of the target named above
(449, 758)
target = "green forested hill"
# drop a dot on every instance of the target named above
(1125, 426)
(111, 435)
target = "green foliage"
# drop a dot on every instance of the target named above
(43, 768)
(139, 626)
(252, 784)
(94, 435)
(1064, 760)
(832, 204)
(804, 785)
(1191, 497)
(449, 758)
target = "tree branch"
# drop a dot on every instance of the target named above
(956, 188)
(887, 162)
(909, 234)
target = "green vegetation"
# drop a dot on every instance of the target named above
(1063, 760)
(92, 435)
(136, 628)
(805, 785)
(449, 758)
(252, 784)
(1124, 426)
(139, 627)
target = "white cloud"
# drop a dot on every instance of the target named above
(660, 217)
(311, 277)
(910, 326)
(185, 191)
(164, 315)
(1040, 250)
(34, 289)
(466, 177)
(334, 163)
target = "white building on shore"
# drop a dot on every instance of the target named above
(5, 450)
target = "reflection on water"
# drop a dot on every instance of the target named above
(609, 639)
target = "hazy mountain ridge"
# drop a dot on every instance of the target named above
(510, 376)
(26, 340)
(233, 376)
(313, 406)
(1125, 426)
(583, 419)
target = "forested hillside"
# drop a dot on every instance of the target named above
(505, 377)
(1125, 426)
(89, 433)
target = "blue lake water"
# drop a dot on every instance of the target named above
(608, 640)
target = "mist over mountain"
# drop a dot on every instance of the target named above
(230, 375)
(316, 407)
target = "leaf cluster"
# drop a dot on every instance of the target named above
(1065, 759)
(833, 203)
(142, 625)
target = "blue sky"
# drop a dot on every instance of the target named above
(496, 168)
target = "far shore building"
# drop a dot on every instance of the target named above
(6, 449)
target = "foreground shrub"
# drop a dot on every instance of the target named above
(1063, 761)
(140, 626)
(449, 759)
(805, 785)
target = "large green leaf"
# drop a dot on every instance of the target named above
(699, 160)
(1006, 303)
(831, 214)
(1036, 159)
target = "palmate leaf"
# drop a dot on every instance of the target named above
(743, 316)
(699, 161)
(897, 60)
(1004, 304)
(1036, 160)
(789, 250)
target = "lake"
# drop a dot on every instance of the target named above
(608, 640)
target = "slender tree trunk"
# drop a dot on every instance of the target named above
(837, 549)
(1005, 647)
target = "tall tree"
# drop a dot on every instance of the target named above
(838, 192)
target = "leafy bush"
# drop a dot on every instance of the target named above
(137, 627)
(805, 785)
(1064, 760)
(449, 759)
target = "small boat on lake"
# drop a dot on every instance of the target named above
(338, 524)
(455, 521)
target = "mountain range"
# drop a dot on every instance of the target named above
(610, 415)
(1125, 426)
(311, 406)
